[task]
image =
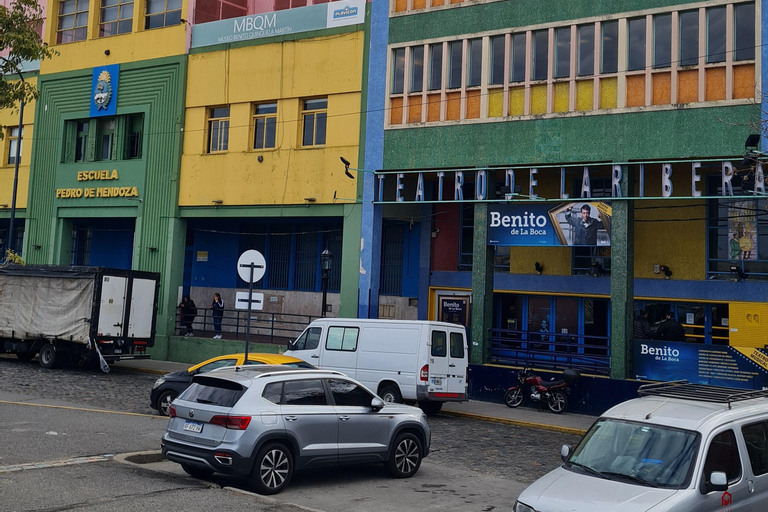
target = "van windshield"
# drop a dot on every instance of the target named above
(637, 453)
(309, 339)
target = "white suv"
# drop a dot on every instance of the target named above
(265, 422)
(680, 447)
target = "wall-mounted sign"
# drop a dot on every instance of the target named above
(454, 309)
(97, 192)
(104, 90)
(289, 21)
(578, 223)
(202, 255)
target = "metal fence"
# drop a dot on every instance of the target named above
(551, 350)
(276, 328)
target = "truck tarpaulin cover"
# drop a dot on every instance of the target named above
(50, 307)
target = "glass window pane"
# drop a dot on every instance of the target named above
(266, 108)
(417, 68)
(81, 19)
(316, 104)
(155, 6)
(636, 44)
(398, 77)
(172, 18)
(125, 26)
(173, 5)
(716, 34)
(610, 47)
(258, 137)
(475, 62)
(220, 112)
(155, 21)
(109, 14)
(269, 141)
(309, 130)
(126, 11)
(439, 344)
(662, 41)
(689, 38)
(66, 22)
(435, 66)
(744, 18)
(454, 69)
(497, 60)
(67, 7)
(320, 128)
(540, 54)
(224, 135)
(586, 50)
(563, 52)
(518, 58)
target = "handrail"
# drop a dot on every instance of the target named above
(274, 328)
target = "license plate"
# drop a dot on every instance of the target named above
(193, 426)
(118, 351)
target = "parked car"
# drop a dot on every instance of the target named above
(168, 387)
(265, 422)
(679, 447)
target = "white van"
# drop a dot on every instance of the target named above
(679, 448)
(400, 360)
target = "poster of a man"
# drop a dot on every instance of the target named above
(584, 224)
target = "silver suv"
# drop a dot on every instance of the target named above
(265, 422)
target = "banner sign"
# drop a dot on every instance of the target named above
(104, 90)
(714, 365)
(289, 21)
(454, 309)
(575, 224)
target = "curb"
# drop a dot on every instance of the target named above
(518, 423)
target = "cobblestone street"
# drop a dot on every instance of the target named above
(517, 453)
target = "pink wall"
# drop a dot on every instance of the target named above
(43, 4)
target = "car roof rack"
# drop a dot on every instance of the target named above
(700, 392)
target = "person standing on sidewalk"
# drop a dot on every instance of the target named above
(188, 311)
(218, 312)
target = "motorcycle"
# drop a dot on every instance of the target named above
(553, 393)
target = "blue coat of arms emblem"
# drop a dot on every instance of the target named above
(102, 94)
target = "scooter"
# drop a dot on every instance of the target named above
(553, 393)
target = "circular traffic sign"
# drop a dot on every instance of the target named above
(244, 262)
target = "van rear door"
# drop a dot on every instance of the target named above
(447, 365)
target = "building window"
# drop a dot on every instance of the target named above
(106, 138)
(218, 129)
(73, 21)
(435, 66)
(15, 143)
(134, 136)
(214, 10)
(744, 19)
(417, 68)
(540, 55)
(81, 140)
(455, 49)
(662, 41)
(610, 47)
(517, 69)
(264, 125)
(116, 17)
(162, 13)
(497, 60)
(636, 44)
(586, 50)
(392, 247)
(398, 77)
(314, 118)
(563, 52)
(689, 38)
(716, 34)
(475, 70)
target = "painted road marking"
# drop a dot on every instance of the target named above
(55, 463)
(70, 408)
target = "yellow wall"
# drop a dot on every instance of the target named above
(285, 72)
(135, 46)
(10, 118)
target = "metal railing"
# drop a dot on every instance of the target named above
(275, 328)
(551, 350)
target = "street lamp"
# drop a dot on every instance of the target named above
(326, 258)
(10, 236)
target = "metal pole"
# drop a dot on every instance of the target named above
(248, 318)
(325, 290)
(16, 170)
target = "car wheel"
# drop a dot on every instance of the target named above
(273, 469)
(164, 402)
(391, 394)
(430, 408)
(196, 472)
(25, 356)
(513, 397)
(557, 402)
(48, 357)
(405, 458)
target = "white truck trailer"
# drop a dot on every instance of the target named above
(80, 315)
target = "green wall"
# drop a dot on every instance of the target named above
(643, 136)
(155, 88)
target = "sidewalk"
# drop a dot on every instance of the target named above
(576, 424)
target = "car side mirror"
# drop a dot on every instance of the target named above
(565, 452)
(290, 344)
(717, 482)
(377, 404)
